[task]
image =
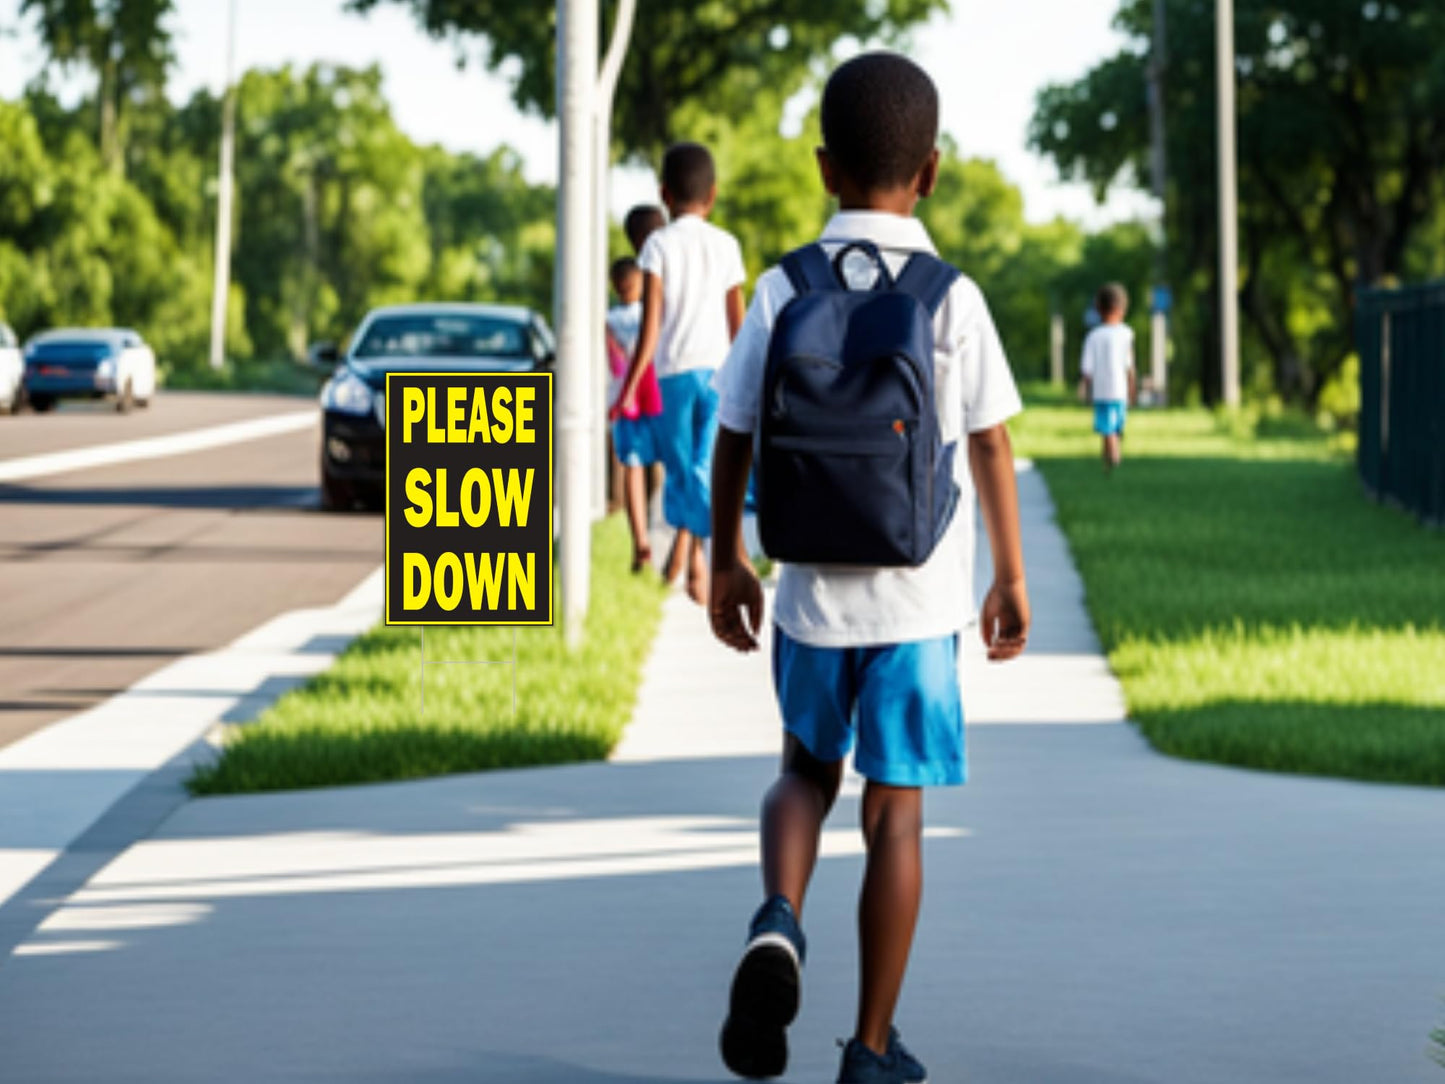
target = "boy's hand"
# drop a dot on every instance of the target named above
(735, 589)
(1004, 622)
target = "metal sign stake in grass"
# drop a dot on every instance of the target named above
(468, 502)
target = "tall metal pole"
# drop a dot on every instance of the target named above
(1159, 168)
(1228, 204)
(576, 83)
(225, 193)
(602, 145)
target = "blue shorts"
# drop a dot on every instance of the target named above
(1109, 416)
(901, 702)
(634, 440)
(685, 435)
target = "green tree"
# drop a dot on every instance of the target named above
(125, 44)
(716, 53)
(1342, 148)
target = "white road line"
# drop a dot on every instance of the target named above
(57, 781)
(129, 451)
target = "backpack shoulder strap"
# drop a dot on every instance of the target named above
(928, 279)
(809, 270)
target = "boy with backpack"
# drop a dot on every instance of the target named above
(692, 306)
(1108, 372)
(864, 369)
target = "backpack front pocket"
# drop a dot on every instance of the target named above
(845, 498)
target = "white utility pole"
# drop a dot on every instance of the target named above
(1228, 204)
(225, 192)
(577, 336)
(1159, 168)
(602, 145)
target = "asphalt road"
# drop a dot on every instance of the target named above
(108, 574)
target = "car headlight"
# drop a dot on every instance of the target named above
(346, 392)
(106, 369)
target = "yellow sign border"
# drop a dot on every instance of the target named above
(551, 503)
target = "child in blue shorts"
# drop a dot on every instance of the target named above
(865, 657)
(634, 439)
(692, 306)
(1108, 372)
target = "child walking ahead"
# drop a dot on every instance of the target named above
(633, 434)
(863, 654)
(692, 306)
(1109, 378)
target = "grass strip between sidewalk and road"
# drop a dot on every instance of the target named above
(362, 721)
(1259, 610)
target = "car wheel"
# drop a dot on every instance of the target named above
(41, 403)
(126, 401)
(336, 495)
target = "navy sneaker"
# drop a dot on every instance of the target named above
(862, 1066)
(912, 1069)
(766, 990)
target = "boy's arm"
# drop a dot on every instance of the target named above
(735, 311)
(646, 339)
(1004, 621)
(1133, 380)
(735, 587)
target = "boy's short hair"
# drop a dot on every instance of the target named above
(623, 268)
(688, 172)
(641, 221)
(880, 120)
(1111, 298)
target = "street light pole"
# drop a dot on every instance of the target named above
(576, 83)
(1228, 204)
(225, 193)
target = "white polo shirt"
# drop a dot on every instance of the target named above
(1108, 357)
(698, 264)
(832, 606)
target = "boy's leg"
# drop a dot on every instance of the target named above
(674, 432)
(793, 813)
(888, 907)
(634, 487)
(703, 423)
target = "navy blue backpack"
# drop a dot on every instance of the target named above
(851, 466)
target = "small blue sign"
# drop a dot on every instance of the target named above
(1163, 299)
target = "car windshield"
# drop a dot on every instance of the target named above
(444, 335)
(70, 350)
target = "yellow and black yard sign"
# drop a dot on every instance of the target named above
(469, 499)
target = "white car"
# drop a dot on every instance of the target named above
(90, 363)
(12, 371)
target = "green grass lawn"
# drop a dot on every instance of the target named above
(1259, 610)
(362, 720)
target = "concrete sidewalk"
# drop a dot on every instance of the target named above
(1094, 913)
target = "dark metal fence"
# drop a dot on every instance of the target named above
(1401, 339)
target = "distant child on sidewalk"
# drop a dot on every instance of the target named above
(633, 434)
(692, 307)
(864, 364)
(1109, 379)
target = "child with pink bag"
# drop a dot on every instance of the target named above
(633, 438)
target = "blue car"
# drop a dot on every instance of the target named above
(89, 363)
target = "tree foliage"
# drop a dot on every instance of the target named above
(125, 44)
(718, 54)
(337, 211)
(1341, 147)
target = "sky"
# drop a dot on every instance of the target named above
(988, 59)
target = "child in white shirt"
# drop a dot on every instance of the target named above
(1108, 371)
(692, 306)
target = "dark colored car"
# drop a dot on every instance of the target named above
(462, 338)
